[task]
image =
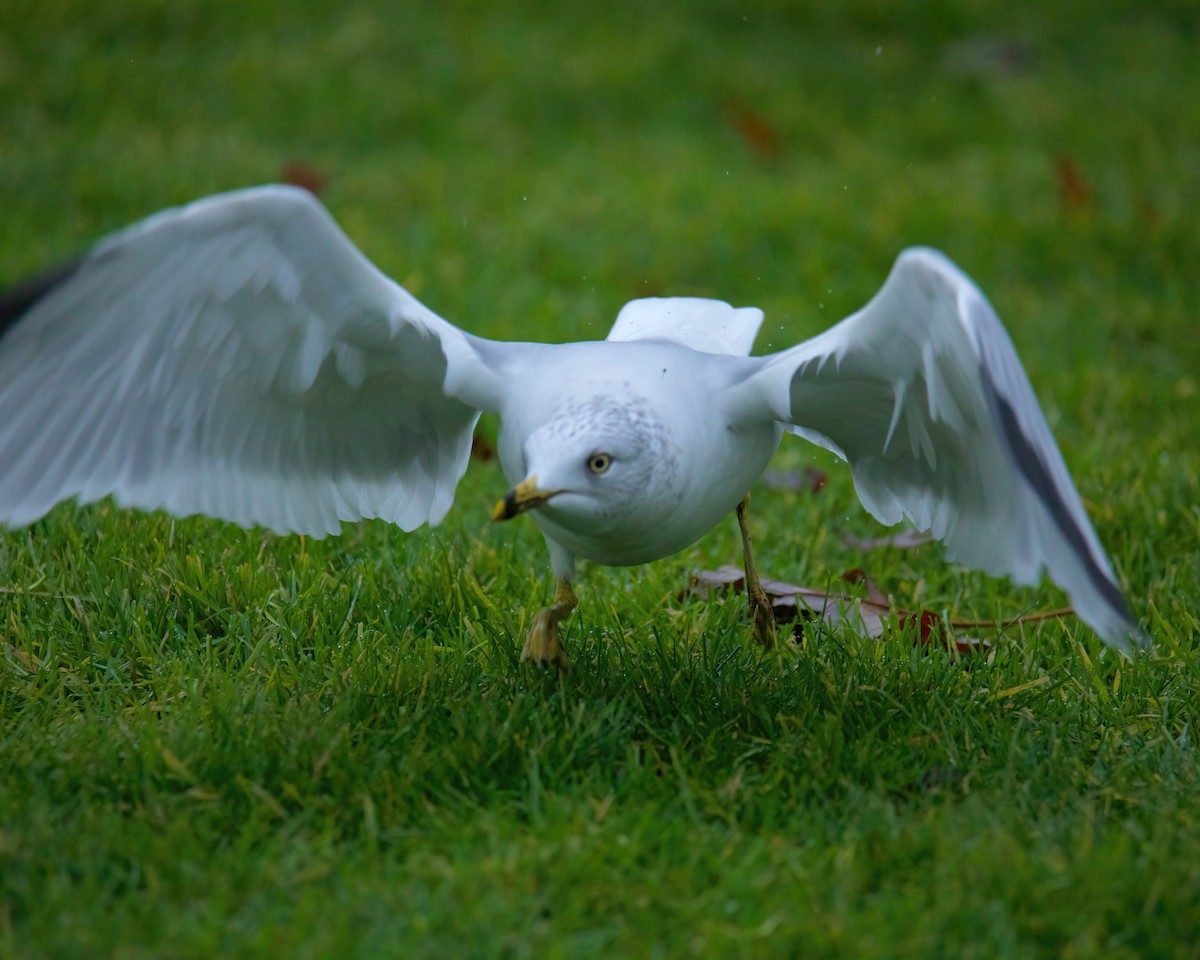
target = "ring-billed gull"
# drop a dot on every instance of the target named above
(239, 357)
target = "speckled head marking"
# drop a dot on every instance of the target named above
(636, 444)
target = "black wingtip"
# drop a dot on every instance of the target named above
(1027, 460)
(18, 300)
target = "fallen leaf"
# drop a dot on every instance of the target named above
(869, 615)
(794, 604)
(904, 539)
(807, 479)
(832, 609)
(482, 449)
(703, 582)
(300, 174)
(1074, 191)
(756, 132)
(928, 625)
(859, 576)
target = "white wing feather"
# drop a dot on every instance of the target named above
(712, 326)
(240, 358)
(922, 392)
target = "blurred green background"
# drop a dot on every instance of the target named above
(530, 166)
(391, 782)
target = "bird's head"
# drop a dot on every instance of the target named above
(595, 461)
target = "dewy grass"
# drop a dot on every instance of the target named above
(217, 742)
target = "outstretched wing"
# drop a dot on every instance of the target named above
(922, 392)
(238, 357)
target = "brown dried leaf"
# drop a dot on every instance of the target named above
(927, 624)
(1074, 191)
(727, 577)
(832, 609)
(859, 576)
(791, 602)
(301, 174)
(755, 130)
(482, 449)
(869, 615)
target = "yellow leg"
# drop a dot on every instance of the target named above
(761, 612)
(543, 645)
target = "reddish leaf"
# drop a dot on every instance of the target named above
(482, 449)
(928, 624)
(1074, 191)
(859, 576)
(300, 174)
(904, 539)
(808, 479)
(756, 132)
(971, 645)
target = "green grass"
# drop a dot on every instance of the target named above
(216, 742)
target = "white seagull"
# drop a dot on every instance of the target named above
(240, 358)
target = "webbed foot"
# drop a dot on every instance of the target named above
(543, 643)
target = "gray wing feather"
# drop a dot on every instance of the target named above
(923, 393)
(240, 358)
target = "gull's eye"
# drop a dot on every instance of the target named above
(599, 462)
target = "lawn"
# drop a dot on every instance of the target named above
(217, 742)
